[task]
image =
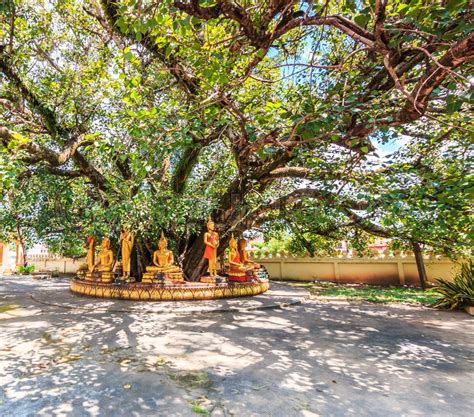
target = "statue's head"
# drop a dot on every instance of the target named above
(105, 243)
(210, 224)
(162, 243)
(126, 228)
(232, 242)
(242, 244)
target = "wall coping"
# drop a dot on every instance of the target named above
(351, 260)
(367, 254)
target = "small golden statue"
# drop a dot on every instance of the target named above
(237, 269)
(211, 240)
(126, 241)
(163, 262)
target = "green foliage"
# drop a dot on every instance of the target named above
(458, 293)
(28, 269)
(274, 244)
(374, 294)
(199, 409)
(167, 147)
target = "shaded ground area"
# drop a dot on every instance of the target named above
(372, 293)
(65, 355)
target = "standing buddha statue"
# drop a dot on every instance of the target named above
(126, 241)
(211, 240)
(90, 252)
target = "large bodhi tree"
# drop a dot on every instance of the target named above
(159, 113)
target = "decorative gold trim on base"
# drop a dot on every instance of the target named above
(158, 292)
(208, 280)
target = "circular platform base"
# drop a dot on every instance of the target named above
(159, 292)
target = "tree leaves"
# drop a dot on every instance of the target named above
(162, 93)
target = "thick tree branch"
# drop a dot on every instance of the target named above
(189, 159)
(260, 35)
(38, 153)
(65, 137)
(65, 172)
(323, 196)
(415, 107)
(193, 8)
(459, 53)
(289, 172)
(368, 226)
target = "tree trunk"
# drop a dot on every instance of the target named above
(227, 217)
(420, 264)
(23, 248)
(140, 259)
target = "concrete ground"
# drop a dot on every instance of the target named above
(61, 354)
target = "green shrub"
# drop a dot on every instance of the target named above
(28, 269)
(460, 292)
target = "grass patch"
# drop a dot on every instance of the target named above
(199, 409)
(191, 379)
(10, 307)
(374, 294)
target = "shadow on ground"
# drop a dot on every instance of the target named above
(303, 360)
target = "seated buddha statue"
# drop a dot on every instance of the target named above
(237, 269)
(244, 255)
(163, 262)
(102, 268)
(106, 257)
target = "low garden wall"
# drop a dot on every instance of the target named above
(55, 263)
(381, 269)
(389, 268)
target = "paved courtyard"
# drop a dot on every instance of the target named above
(278, 354)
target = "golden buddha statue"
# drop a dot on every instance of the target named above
(163, 262)
(244, 255)
(106, 257)
(237, 269)
(104, 263)
(211, 240)
(90, 244)
(126, 242)
(82, 271)
(87, 266)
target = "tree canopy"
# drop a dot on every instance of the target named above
(270, 114)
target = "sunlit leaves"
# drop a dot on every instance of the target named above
(148, 93)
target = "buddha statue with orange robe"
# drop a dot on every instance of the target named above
(237, 269)
(211, 240)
